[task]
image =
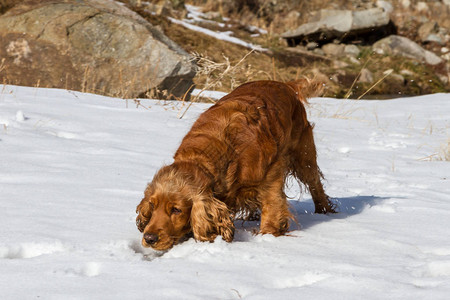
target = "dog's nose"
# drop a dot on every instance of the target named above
(150, 238)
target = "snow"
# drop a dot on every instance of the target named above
(195, 16)
(223, 35)
(214, 95)
(74, 166)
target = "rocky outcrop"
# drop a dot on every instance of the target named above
(342, 25)
(95, 45)
(398, 45)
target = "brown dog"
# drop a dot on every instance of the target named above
(236, 158)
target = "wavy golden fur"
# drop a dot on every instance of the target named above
(236, 157)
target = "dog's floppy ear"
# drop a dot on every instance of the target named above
(144, 210)
(210, 217)
(144, 214)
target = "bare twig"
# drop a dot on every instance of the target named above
(349, 93)
(386, 74)
(237, 292)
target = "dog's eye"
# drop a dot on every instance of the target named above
(176, 211)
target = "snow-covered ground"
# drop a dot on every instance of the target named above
(74, 166)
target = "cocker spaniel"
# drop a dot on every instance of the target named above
(236, 158)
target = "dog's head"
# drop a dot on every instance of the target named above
(175, 206)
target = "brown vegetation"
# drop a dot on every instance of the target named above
(285, 63)
(344, 76)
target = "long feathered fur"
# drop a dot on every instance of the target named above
(236, 157)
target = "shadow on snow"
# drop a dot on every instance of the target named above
(346, 207)
(303, 212)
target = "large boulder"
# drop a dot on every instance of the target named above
(94, 46)
(343, 25)
(398, 45)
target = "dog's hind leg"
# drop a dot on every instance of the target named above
(305, 168)
(275, 213)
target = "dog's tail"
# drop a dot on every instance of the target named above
(306, 88)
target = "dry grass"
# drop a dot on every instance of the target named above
(385, 74)
(215, 73)
(441, 154)
(444, 152)
(2, 64)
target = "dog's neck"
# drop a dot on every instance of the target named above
(195, 172)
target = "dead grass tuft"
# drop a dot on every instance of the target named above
(444, 152)
(215, 74)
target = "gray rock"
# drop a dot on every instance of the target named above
(369, 18)
(444, 78)
(406, 3)
(332, 49)
(386, 5)
(422, 6)
(426, 29)
(94, 45)
(407, 72)
(340, 24)
(354, 60)
(351, 50)
(319, 51)
(311, 46)
(398, 45)
(398, 77)
(435, 38)
(366, 76)
(337, 64)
